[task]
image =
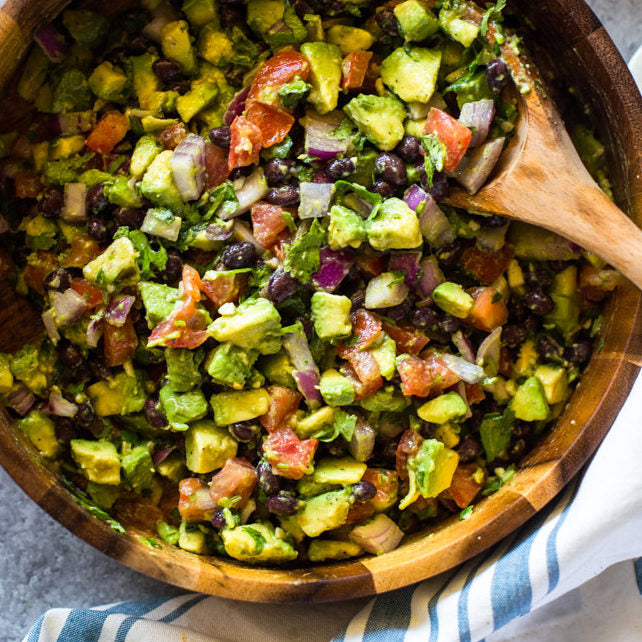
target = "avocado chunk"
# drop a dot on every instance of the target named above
(182, 368)
(444, 408)
(325, 74)
(120, 192)
(346, 228)
(146, 83)
(324, 512)
(495, 431)
(117, 395)
(314, 422)
(230, 407)
(182, 407)
(103, 496)
(336, 389)
(146, 150)
(341, 471)
(258, 542)
(566, 310)
(168, 533)
(108, 82)
(200, 12)
(208, 447)
(331, 315)
(554, 380)
(385, 354)
(349, 38)
(460, 30)
(385, 291)
(254, 325)
(529, 402)
(116, 265)
(6, 377)
(159, 301)
(200, 96)
(173, 467)
(41, 432)
(98, 460)
(394, 227)
(138, 468)
(87, 28)
(416, 20)
(262, 14)
(387, 399)
(412, 73)
(321, 550)
(177, 45)
(191, 538)
(379, 118)
(453, 299)
(278, 369)
(526, 359)
(215, 46)
(158, 183)
(34, 365)
(230, 365)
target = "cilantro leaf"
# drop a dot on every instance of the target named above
(462, 83)
(292, 92)
(343, 188)
(302, 258)
(149, 261)
(223, 197)
(435, 156)
(495, 482)
(245, 51)
(343, 425)
(492, 13)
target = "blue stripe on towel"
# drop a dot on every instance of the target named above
(637, 565)
(462, 605)
(552, 561)
(183, 608)
(433, 618)
(390, 616)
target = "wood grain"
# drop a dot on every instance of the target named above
(587, 55)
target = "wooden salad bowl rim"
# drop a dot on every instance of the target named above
(592, 409)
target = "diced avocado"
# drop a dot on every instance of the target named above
(120, 191)
(98, 460)
(346, 229)
(230, 365)
(87, 28)
(385, 399)
(138, 468)
(258, 542)
(526, 359)
(34, 365)
(103, 496)
(182, 368)
(472, 90)
(146, 82)
(307, 487)
(90, 178)
(158, 183)
(379, 118)
(278, 369)
(325, 74)
(384, 355)
(412, 73)
(41, 233)
(416, 20)
(336, 389)
(331, 315)
(177, 45)
(314, 422)
(108, 82)
(231, 407)
(566, 311)
(448, 434)
(460, 30)
(117, 395)
(215, 47)
(529, 402)
(341, 471)
(262, 14)
(446, 407)
(162, 223)
(6, 376)
(173, 467)
(324, 512)
(41, 432)
(71, 93)
(554, 380)
(66, 146)
(199, 97)
(158, 300)
(182, 407)
(117, 264)
(395, 227)
(453, 299)
(349, 38)
(146, 150)
(191, 538)
(254, 325)
(34, 74)
(200, 12)
(168, 533)
(208, 447)
(516, 280)
(321, 550)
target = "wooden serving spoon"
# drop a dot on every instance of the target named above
(541, 180)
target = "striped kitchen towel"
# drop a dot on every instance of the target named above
(525, 588)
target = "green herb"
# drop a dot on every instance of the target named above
(496, 297)
(150, 542)
(281, 150)
(149, 261)
(461, 83)
(495, 431)
(167, 533)
(302, 258)
(492, 13)
(466, 513)
(343, 425)
(435, 156)
(99, 513)
(501, 477)
(259, 540)
(293, 92)
(245, 52)
(223, 197)
(66, 170)
(260, 276)
(343, 188)
(290, 32)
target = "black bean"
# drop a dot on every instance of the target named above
(281, 286)
(181, 87)
(579, 352)
(268, 482)
(427, 429)
(517, 449)
(154, 413)
(241, 172)
(167, 69)
(64, 429)
(173, 267)
(497, 75)
(513, 334)
(277, 170)
(130, 217)
(340, 168)
(391, 168)
(97, 202)
(440, 186)
(387, 22)
(384, 188)
(548, 348)
(50, 205)
(249, 452)
(218, 520)
(337, 447)
(424, 318)
(69, 354)
(358, 299)
(99, 368)
(537, 276)
(57, 279)
(449, 255)
(522, 429)
(97, 230)
(285, 196)
(469, 449)
(363, 491)
(283, 504)
(231, 16)
(85, 414)
(538, 302)
(409, 149)
(239, 255)
(517, 310)
(321, 177)
(245, 431)
(221, 136)
(389, 452)
(491, 221)
(138, 44)
(302, 8)
(531, 323)
(449, 324)
(308, 327)
(398, 312)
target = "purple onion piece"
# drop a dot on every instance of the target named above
(434, 225)
(74, 209)
(476, 167)
(363, 440)
(466, 371)
(59, 406)
(21, 400)
(319, 140)
(236, 106)
(307, 382)
(67, 306)
(335, 265)
(431, 276)
(306, 372)
(216, 232)
(161, 454)
(188, 167)
(315, 199)
(253, 189)
(52, 42)
(49, 322)
(408, 263)
(118, 310)
(461, 391)
(414, 196)
(377, 536)
(464, 347)
(95, 331)
(488, 353)
(478, 116)
(77, 122)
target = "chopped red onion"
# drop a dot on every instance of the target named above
(306, 372)
(241, 232)
(216, 232)
(478, 116)
(77, 122)
(488, 353)
(476, 167)
(363, 440)
(75, 206)
(49, 322)
(21, 399)
(464, 347)
(307, 382)
(385, 291)
(408, 263)
(431, 276)
(461, 391)
(161, 454)
(95, 331)
(335, 265)
(414, 196)
(236, 106)
(468, 372)
(492, 239)
(380, 535)
(315, 199)
(203, 499)
(59, 406)
(434, 225)
(67, 306)
(188, 167)
(118, 310)
(52, 42)
(253, 189)
(319, 140)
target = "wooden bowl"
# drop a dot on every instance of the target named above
(572, 33)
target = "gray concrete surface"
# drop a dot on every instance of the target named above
(42, 565)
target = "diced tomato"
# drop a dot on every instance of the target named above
(283, 404)
(93, 296)
(486, 267)
(279, 70)
(474, 393)
(27, 185)
(171, 136)
(284, 239)
(108, 132)
(408, 340)
(505, 362)
(373, 264)
(120, 342)
(361, 389)
(267, 223)
(354, 68)
(290, 456)
(223, 287)
(443, 377)
(38, 268)
(408, 446)
(387, 484)
(215, 166)
(366, 328)
(237, 478)
(595, 283)
(274, 124)
(359, 512)
(245, 143)
(188, 505)
(463, 487)
(416, 376)
(83, 249)
(451, 133)
(366, 367)
(486, 313)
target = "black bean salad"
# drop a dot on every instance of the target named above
(265, 330)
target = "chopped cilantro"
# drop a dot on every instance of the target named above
(259, 540)
(343, 425)
(291, 93)
(149, 261)
(302, 255)
(501, 477)
(466, 513)
(435, 156)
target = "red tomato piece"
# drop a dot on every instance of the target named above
(285, 238)
(120, 342)
(366, 328)
(27, 185)
(361, 389)
(486, 313)
(108, 132)
(486, 267)
(290, 456)
(442, 376)
(267, 223)
(93, 296)
(283, 404)
(215, 166)
(224, 288)
(416, 376)
(373, 264)
(463, 487)
(595, 283)
(83, 249)
(408, 446)
(505, 362)
(359, 512)
(245, 143)
(274, 124)
(454, 136)
(474, 393)
(387, 484)
(408, 340)
(354, 68)
(279, 70)
(188, 505)
(366, 367)
(237, 478)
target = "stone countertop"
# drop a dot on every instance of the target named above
(42, 565)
